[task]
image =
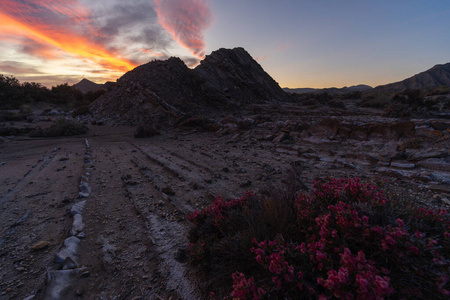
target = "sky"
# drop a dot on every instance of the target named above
(300, 43)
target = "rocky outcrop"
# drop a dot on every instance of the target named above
(164, 91)
(237, 74)
(157, 92)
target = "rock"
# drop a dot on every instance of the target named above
(439, 125)
(69, 264)
(246, 184)
(168, 191)
(59, 283)
(441, 177)
(85, 190)
(392, 172)
(428, 153)
(404, 129)
(401, 165)
(70, 249)
(40, 245)
(78, 208)
(281, 137)
(77, 225)
(435, 164)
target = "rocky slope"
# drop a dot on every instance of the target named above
(236, 73)
(439, 75)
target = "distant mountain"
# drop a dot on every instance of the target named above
(86, 86)
(167, 90)
(439, 75)
(333, 90)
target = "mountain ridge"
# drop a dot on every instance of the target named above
(438, 75)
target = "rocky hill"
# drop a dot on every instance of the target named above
(439, 75)
(86, 86)
(159, 89)
(236, 73)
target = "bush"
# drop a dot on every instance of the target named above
(146, 130)
(61, 127)
(25, 109)
(344, 240)
(83, 110)
(8, 115)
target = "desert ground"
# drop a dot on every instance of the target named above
(132, 194)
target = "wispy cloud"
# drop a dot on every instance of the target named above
(11, 67)
(186, 21)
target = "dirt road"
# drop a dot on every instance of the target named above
(131, 237)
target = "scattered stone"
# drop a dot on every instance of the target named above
(70, 249)
(40, 245)
(78, 208)
(59, 283)
(85, 190)
(81, 235)
(77, 225)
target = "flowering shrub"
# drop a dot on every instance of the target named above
(350, 242)
(218, 210)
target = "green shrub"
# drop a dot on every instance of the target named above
(344, 240)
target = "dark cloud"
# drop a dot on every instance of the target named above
(133, 22)
(35, 48)
(13, 67)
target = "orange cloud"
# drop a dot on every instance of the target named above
(185, 20)
(50, 22)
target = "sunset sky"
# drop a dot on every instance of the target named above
(300, 43)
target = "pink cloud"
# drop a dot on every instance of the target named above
(186, 21)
